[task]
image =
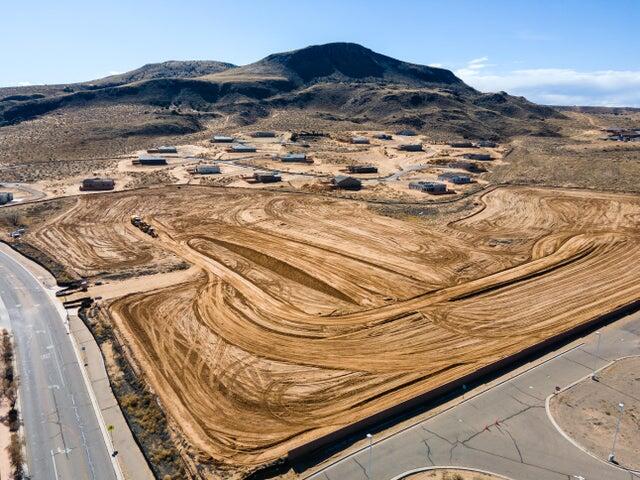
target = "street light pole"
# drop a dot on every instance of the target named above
(612, 455)
(369, 472)
(595, 364)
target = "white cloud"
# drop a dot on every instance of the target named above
(558, 85)
(114, 72)
(473, 66)
(478, 61)
(24, 84)
(435, 65)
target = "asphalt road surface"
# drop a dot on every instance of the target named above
(504, 430)
(63, 437)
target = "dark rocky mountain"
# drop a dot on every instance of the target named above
(340, 62)
(336, 86)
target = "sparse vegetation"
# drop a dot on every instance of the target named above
(9, 396)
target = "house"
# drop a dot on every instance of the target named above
(458, 179)
(207, 169)
(468, 166)
(222, 139)
(295, 158)
(362, 169)
(266, 177)
(461, 145)
(163, 149)
(434, 188)
(241, 148)
(486, 144)
(345, 182)
(146, 160)
(359, 140)
(5, 197)
(406, 133)
(97, 184)
(410, 147)
(263, 134)
(478, 156)
(382, 136)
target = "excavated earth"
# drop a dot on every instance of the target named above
(307, 313)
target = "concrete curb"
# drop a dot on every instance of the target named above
(547, 409)
(447, 467)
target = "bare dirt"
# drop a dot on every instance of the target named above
(588, 412)
(5, 441)
(452, 474)
(308, 313)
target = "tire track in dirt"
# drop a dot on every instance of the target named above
(309, 314)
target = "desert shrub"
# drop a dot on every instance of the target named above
(15, 457)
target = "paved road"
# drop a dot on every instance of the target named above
(35, 194)
(522, 445)
(63, 438)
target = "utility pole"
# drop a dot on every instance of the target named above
(612, 455)
(369, 471)
(595, 365)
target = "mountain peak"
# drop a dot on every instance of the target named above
(344, 61)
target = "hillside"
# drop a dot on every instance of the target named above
(334, 87)
(169, 69)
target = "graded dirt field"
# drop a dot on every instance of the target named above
(307, 313)
(588, 412)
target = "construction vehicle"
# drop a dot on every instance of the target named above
(137, 221)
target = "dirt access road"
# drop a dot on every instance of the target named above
(309, 313)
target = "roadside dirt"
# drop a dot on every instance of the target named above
(588, 412)
(452, 474)
(5, 441)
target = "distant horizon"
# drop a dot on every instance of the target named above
(576, 53)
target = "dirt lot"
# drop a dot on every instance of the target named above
(588, 412)
(306, 313)
(452, 474)
(328, 156)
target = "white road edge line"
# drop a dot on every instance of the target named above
(94, 402)
(55, 469)
(547, 409)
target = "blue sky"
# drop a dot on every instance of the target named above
(560, 52)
